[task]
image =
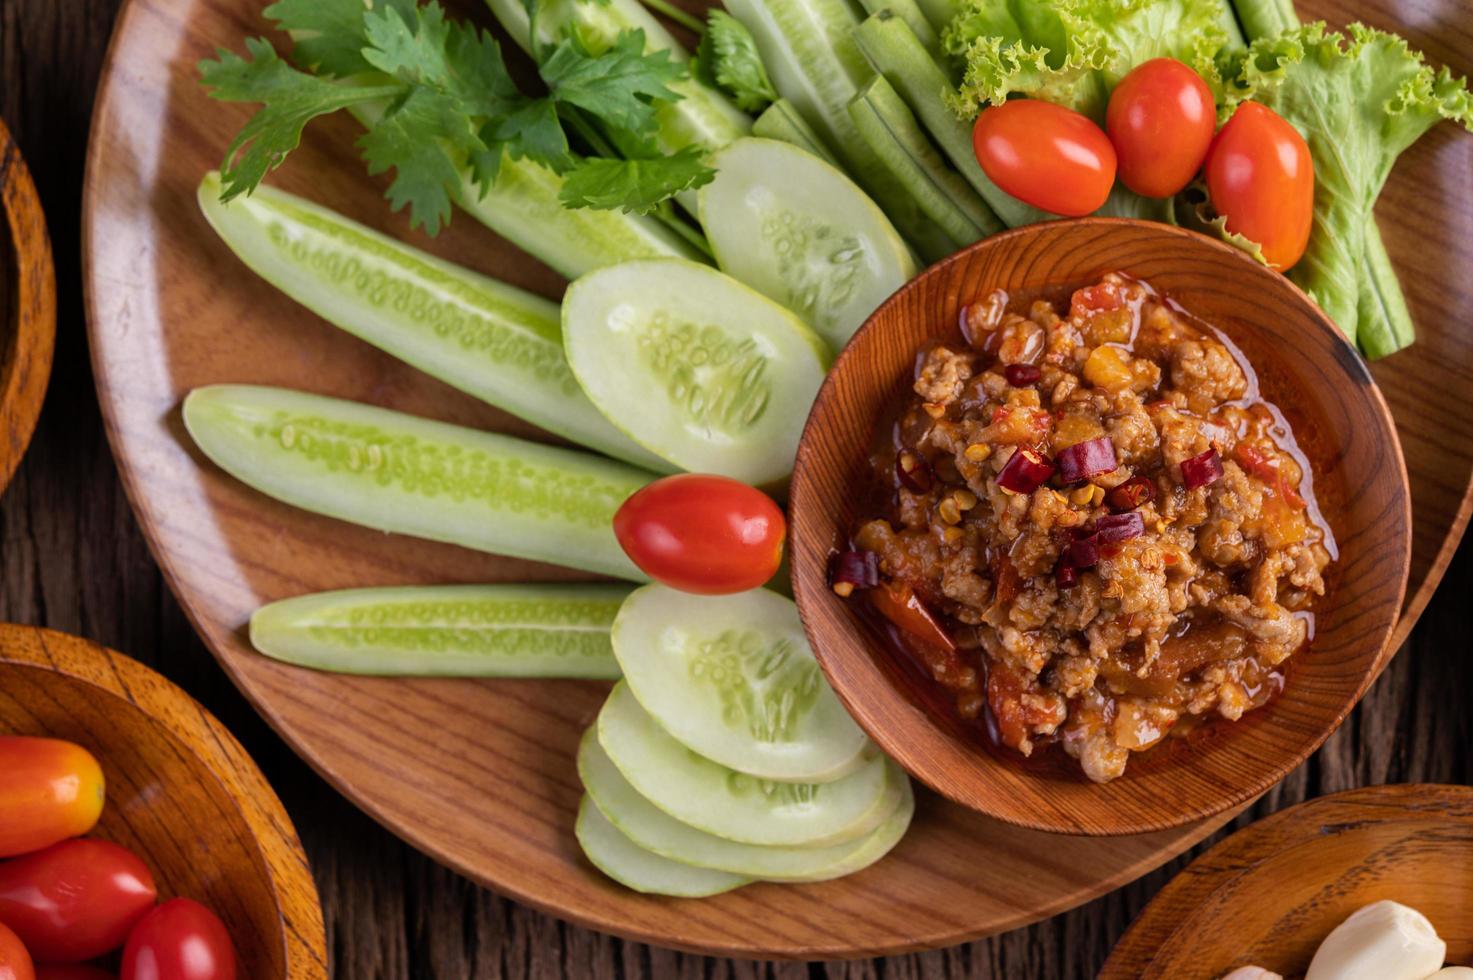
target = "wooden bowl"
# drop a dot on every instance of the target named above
(181, 793)
(1304, 366)
(1271, 892)
(27, 307)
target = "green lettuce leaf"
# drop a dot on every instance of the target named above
(1359, 100)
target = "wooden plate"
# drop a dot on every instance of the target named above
(181, 793)
(27, 307)
(1271, 892)
(480, 775)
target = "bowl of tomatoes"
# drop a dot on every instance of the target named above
(138, 841)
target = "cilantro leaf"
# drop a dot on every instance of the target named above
(290, 99)
(618, 85)
(418, 138)
(454, 59)
(637, 186)
(534, 132)
(728, 57)
(329, 34)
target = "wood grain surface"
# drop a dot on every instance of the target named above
(1270, 894)
(1300, 361)
(27, 306)
(181, 793)
(74, 559)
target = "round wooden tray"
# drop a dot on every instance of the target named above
(480, 775)
(181, 793)
(27, 307)
(1270, 893)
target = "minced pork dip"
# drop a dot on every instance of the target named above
(1089, 528)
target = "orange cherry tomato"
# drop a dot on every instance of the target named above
(1045, 155)
(71, 971)
(705, 534)
(179, 940)
(1160, 120)
(1261, 178)
(75, 900)
(15, 962)
(49, 790)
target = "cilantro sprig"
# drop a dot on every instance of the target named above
(437, 101)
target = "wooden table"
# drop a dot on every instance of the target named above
(71, 558)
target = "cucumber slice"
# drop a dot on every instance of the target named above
(494, 342)
(694, 366)
(447, 631)
(781, 121)
(884, 837)
(796, 229)
(632, 866)
(655, 830)
(733, 678)
(729, 804)
(891, 130)
(396, 472)
(901, 57)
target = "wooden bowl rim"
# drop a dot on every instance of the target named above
(32, 336)
(1223, 863)
(204, 737)
(809, 577)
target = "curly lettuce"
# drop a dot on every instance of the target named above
(1359, 99)
(1073, 52)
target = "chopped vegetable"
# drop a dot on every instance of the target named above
(1135, 492)
(850, 570)
(1025, 471)
(913, 472)
(1086, 459)
(447, 631)
(1022, 375)
(1046, 155)
(782, 122)
(1113, 528)
(898, 603)
(1201, 470)
(644, 871)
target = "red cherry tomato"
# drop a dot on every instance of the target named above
(1045, 155)
(75, 900)
(71, 971)
(15, 962)
(704, 534)
(1261, 178)
(49, 790)
(179, 940)
(1160, 120)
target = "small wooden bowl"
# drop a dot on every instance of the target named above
(181, 794)
(1269, 894)
(27, 307)
(1303, 365)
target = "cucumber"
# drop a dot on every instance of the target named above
(890, 128)
(492, 341)
(796, 229)
(882, 839)
(694, 366)
(781, 121)
(632, 866)
(655, 830)
(809, 51)
(733, 805)
(447, 631)
(897, 54)
(732, 677)
(396, 472)
(910, 12)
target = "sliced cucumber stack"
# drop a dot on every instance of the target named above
(396, 472)
(492, 341)
(644, 871)
(796, 229)
(448, 631)
(697, 368)
(732, 677)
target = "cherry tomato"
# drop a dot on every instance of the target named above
(1261, 178)
(75, 900)
(15, 962)
(179, 940)
(704, 534)
(49, 790)
(1160, 120)
(1045, 155)
(71, 971)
